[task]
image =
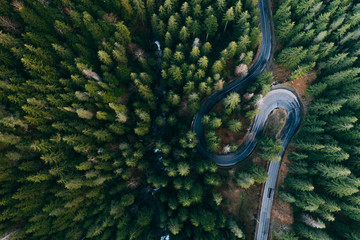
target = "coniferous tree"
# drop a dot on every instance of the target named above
(228, 16)
(211, 26)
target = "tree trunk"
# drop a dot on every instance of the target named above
(226, 25)
(207, 35)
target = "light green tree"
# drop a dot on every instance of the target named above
(234, 125)
(229, 16)
(183, 168)
(232, 101)
(244, 180)
(184, 34)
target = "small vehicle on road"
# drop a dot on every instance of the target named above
(270, 192)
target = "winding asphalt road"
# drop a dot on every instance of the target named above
(237, 85)
(284, 98)
(279, 97)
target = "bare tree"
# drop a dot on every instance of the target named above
(9, 24)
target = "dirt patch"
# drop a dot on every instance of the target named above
(282, 212)
(275, 122)
(228, 138)
(241, 204)
(301, 84)
(232, 195)
(219, 107)
(248, 208)
(124, 98)
(280, 73)
(229, 68)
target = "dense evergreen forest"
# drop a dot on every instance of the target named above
(97, 100)
(323, 186)
(95, 118)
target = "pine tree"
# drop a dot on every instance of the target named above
(173, 99)
(82, 113)
(284, 29)
(346, 76)
(196, 27)
(229, 16)
(234, 125)
(316, 89)
(215, 123)
(340, 187)
(259, 174)
(179, 57)
(184, 34)
(244, 180)
(308, 220)
(285, 236)
(217, 198)
(189, 141)
(173, 26)
(195, 217)
(196, 193)
(168, 40)
(203, 62)
(332, 170)
(287, 197)
(212, 179)
(211, 26)
(195, 53)
(291, 57)
(183, 169)
(207, 220)
(174, 226)
(33, 20)
(232, 101)
(185, 9)
(235, 229)
(243, 43)
(300, 184)
(217, 67)
(311, 233)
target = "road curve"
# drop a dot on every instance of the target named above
(284, 98)
(237, 85)
(279, 97)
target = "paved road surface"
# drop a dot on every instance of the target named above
(237, 85)
(286, 99)
(281, 97)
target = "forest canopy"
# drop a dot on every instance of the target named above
(324, 175)
(97, 100)
(95, 118)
